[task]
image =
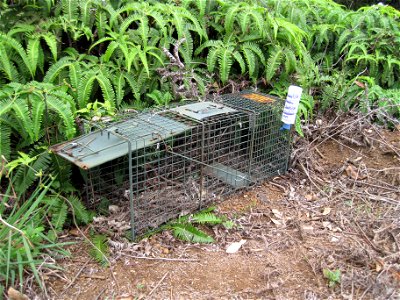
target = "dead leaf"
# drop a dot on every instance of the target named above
(335, 239)
(378, 266)
(125, 297)
(327, 225)
(74, 232)
(360, 84)
(351, 172)
(326, 211)
(331, 226)
(13, 294)
(307, 229)
(276, 222)
(113, 209)
(309, 197)
(277, 213)
(234, 247)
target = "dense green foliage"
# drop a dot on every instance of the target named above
(60, 57)
(67, 60)
(356, 4)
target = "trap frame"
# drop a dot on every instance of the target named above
(172, 162)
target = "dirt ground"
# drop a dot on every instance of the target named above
(338, 208)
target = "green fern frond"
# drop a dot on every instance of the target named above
(245, 21)
(25, 29)
(37, 113)
(58, 218)
(101, 23)
(21, 110)
(190, 20)
(124, 10)
(82, 215)
(75, 75)
(85, 89)
(329, 96)
(201, 6)
(64, 97)
(100, 41)
(207, 44)
(85, 8)
(33, 52)
(70, 9)
(225, 63)
(100, 249)
(133, 84)
(212, 59)
(107, 90)
(56, 68)
(5, 143)
(231, 15)
(7, 66)
(59, 215)
(13, 43)
(190, 233)
(290, 61)
(206, 218)
(51, 42)
(110, 50)
(63, 110)
(250, 59)
(256, 49)
(273, 62)
(238, 57)
(119, 85)
(6, 104)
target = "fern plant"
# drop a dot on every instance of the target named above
(30, 111)
(184, 228)
(99, 249)
(223, 54)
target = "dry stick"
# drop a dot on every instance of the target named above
(337, 141)
(379, 186)
(101, 293)
(75, 277)
(158, 284)
(395, 149)
(345, 127)
(369, 241)
(162, 258)
(309, 177)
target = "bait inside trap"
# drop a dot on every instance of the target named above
(172, 162)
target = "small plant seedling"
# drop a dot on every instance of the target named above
(140, 286)
(332, 276)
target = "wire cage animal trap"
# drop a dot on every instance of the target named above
(172, 162)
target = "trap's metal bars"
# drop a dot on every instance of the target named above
(181, 159)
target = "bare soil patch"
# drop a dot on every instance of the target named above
(338, 208)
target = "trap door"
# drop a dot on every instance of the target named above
(105, 145)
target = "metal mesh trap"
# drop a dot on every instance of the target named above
(173, 162)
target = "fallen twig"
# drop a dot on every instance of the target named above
(158, 284)
(162, 258)
(75, 277)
